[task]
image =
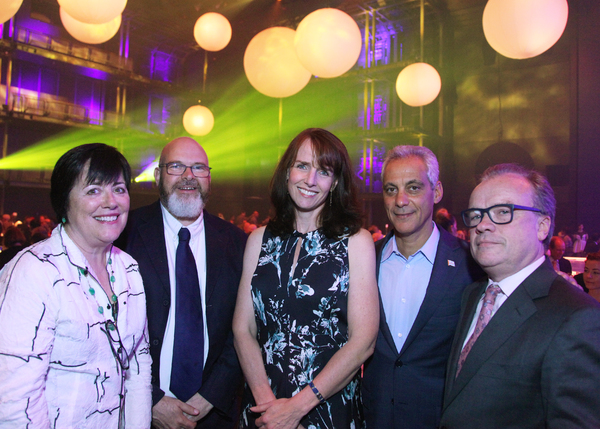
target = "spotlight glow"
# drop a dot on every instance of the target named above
(148, 174)
(247, 143)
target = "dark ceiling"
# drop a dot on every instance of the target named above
(171, 22)
(167, 26)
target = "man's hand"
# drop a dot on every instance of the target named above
(202, 405)
(170, 413)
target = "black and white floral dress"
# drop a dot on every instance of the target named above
(302, 321)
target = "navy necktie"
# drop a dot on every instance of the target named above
(188, 346)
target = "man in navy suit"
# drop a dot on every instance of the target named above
(151, 237)
(527, 348)
(422, 271)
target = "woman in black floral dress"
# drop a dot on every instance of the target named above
(307, 312)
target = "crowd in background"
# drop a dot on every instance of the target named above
(577, 241)
(18, 234)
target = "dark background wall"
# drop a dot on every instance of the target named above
(586, 134)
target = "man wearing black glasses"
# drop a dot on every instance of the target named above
(527, 348)
(191, 263)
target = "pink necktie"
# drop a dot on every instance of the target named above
(555, 265)
(485, 315)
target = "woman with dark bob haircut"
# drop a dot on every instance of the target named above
(74, 343)
(307, 312)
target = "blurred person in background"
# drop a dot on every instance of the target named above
(446, 220)
(14, 242)
(557, 250)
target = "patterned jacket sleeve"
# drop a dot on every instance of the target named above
(27, 318)
(138, 398)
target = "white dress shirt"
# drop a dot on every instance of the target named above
(198, 246)
(508, 286)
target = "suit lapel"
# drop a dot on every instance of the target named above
(214, 255)
(442, 276)
(472, 295)
(383, 325)
(152, 233)
(515, 311)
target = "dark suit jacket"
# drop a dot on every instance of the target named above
(405, 390)
(565, 266)
(592, 246)
(222, 376)
(579, 279)
(535, 365)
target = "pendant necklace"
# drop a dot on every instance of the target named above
(114, 303)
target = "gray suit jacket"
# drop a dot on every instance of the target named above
(535, 365)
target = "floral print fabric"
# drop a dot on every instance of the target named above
(301, 316)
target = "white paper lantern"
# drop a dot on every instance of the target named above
(8, 8)
(90, 33)
(524, 28)
(271, 64)
(212, 31)
(418, 84)
(93, 11)
(198, 120)
(328, 42)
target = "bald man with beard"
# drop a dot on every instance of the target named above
(208, 397)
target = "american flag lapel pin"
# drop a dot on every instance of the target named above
(451, 263)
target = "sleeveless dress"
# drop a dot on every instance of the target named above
(302, 321)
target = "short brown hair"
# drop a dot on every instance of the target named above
(595, 256)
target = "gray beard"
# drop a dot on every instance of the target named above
(184, 208)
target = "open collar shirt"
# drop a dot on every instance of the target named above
(403, 284)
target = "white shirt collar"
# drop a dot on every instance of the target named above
(172, 225)
(429, 249)
(509, 284)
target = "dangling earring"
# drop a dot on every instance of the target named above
(64, 220)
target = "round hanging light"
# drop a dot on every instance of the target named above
(93, 11)
(8, 8)
(524, 28)
(90, 33)
(418, 84)
(328, 42)
(212, 31)
(271, 64)
(198, 120)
